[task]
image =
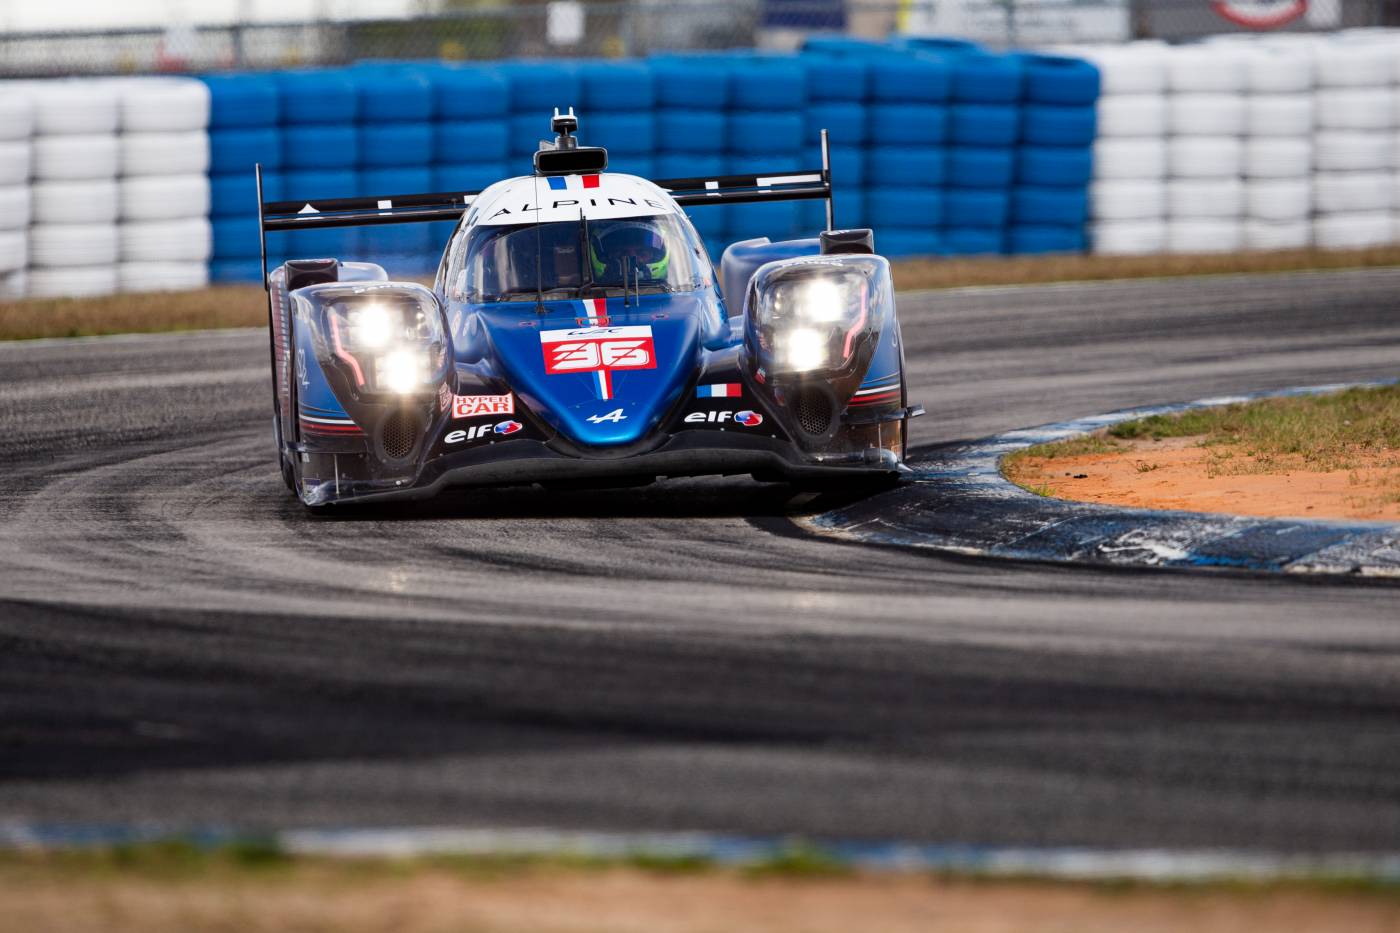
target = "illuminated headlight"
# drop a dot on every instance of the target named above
(809, 314)
(387, 341)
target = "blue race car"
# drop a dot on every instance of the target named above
(577, 334)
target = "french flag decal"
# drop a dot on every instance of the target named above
(719, 390)
(572, 182)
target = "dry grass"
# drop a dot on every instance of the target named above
(43, 893)
(243, 305)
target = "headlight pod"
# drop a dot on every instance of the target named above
(808, 314)
(388, 339)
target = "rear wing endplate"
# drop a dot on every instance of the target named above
(320, 213)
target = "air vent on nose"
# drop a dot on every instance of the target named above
(399, 433)
(814, 409)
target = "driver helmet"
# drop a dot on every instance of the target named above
(640, 241)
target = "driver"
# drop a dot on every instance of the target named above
(612, 247)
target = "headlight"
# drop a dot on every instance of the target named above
(808, 314)
(388, 341)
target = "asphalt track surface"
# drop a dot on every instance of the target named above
(181, 645)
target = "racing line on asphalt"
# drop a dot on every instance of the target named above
(181, 645)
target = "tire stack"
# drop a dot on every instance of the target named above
(471, 142)
(321, 116)
(16, 157)
(244, 111)
(164, 236)
(535, 89)
(397, 138)
(907, 160)
(73, 242)
(1054, 163)
(1354, 186)
(1128, 197)
(692, 93)
(837, 90)
(984, 128)
(1278, 147)
(765, 132)
(1205, 151)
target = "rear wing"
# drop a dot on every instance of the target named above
(315, 214)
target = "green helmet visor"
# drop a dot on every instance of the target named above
(642, 244)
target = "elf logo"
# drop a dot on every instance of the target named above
(481, 430)
(748, 419)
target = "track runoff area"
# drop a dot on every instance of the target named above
(684, 658)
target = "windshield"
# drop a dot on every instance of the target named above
(576, 259)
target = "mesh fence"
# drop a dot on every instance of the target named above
(639, 27)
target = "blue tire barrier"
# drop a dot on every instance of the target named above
(700, 131)
(316, 97)
(470, 141)
(396, 239)
(309, 185)
(914, 166)
(237, 237)
(527, 129)
(768, 85)
(631, 164)
(974, 241)
(1058, 79)
(323, 244)
(751, 132)
(620, 133)
(467, 93)
(689, 84)
(537, 88)
(309, 147)
(468, 176)
(236, 194)
(851, 212)
(847, 165)
(830, 79)
(941, 45)
(616, 86)
(905, 78)
(838, 46)
(975, 207)
(988, 79)
(393, 95)
(766, 162)
(981, 167)
(340, 243)
(224, 271)
(708, 221)
(242, 100)
(984, 124)
(1064, 166)
(239, 149)
(699, 165)
(908, 124)
(1054, 206)
(900, 207)
(844, 123)
(774, 219)
(1053, 125)
(1046, 239)
(389, 144)
(898, 243)
(386, 181)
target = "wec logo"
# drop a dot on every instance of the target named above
(594, 349)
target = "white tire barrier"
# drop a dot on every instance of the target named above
(1129, 237)
(1356, 109)
(1345, 64)
(16, 112)
(164, 197)
(1135, 69)
(73, 282)
(1338, 150)
(14, 285)
(1205, 156)
(75, 157)
(184, 153)
(1279, 115)
(74, 107)
(14, 250)
(75, 202)
(188, 240)
(1132, 115)
(1353, 192)
(1206, 70)
(161, 276)
(1206, 114)
(1277, 234)
(16, 207)
(1353, 231)
(1130, 158)
(63, 245)
(1278, 157)
(1204, 236)
(163, 105)
(1196, 198)
(1130, 199)
(16, 159)
(1279, 200)
(1278, 70)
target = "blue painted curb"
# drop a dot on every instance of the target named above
(958, 501)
